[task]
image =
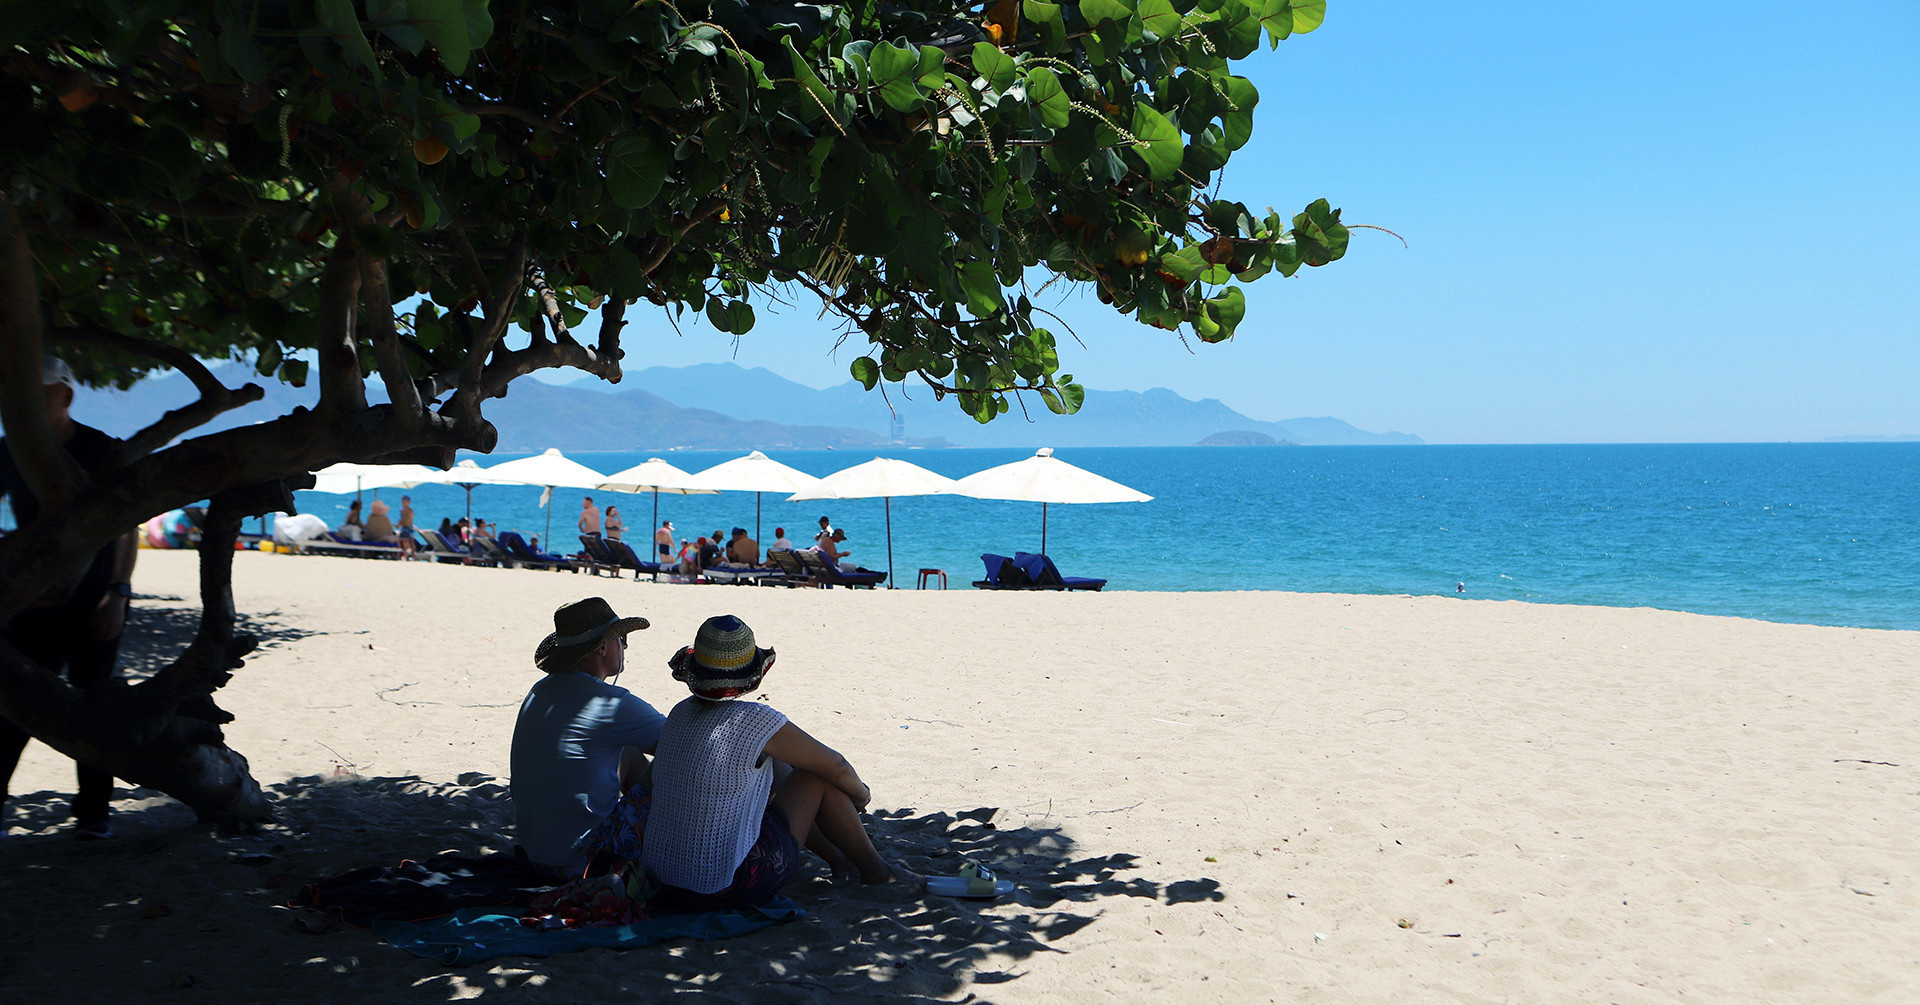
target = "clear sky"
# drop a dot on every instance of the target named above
(1685, 222)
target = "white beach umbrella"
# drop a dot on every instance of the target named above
(883, 477)
(755, 473)
(656, 476)
(550, 470)
(1045, 479)
(347, 476)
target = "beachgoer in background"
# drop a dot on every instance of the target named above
(724, 832)
(589, 517)
(580, 744)
(742, 549)
(1459, 587)
(830, 548)
(615, 526)
(405, 524)
(780, 542)
(80, 632)
(663, 540)
(447, 528)
(710, 551)
(826, 532)
(380, 530)
(353, 528)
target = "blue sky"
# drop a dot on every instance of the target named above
(1624, 223)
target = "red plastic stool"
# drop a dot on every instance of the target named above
(926, 574)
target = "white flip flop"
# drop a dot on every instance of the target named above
(975, 881)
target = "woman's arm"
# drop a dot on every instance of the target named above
(792, 745)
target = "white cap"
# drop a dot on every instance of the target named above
(54, 370)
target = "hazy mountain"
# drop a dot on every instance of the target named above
(589, 415)
(1152, 418)
(720, 406)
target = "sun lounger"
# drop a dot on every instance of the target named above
(1040, 570)
(596, 555)
(523, 553)
(740, 573)
(489, 549)
(336, 544)
(1002, 574)
(791, 571)
(625, 557)
(817, 567)
(445, 549)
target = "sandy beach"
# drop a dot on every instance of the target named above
(1219, 796)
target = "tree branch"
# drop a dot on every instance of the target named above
(48, 471)
(215, 397)
(341, 389)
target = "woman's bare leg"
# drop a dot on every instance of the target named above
(813, 806)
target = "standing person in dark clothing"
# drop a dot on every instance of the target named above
(80, 633)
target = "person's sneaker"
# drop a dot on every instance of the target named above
(92, 830)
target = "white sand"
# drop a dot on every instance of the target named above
(1228, 796)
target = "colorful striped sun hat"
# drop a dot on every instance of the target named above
(723, 662)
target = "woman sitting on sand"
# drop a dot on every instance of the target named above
(722, 834)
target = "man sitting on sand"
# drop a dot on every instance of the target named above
(580, 744)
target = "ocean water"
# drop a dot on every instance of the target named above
(1811, 533)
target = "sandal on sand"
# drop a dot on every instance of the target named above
(975, 880)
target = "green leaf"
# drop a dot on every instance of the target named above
(1228, 308)
(625, 280)
(1097, 11)
(982, 288)
(1277, 17)
(479, 23)
(1308, 14)
(444, 23)
(895, 73)
(809, 81)
(269, 358)
(294, 372)
(1159, 17)
(1049, 97)
(242, 52)
(1239, 121)
(635, 170)
(866, 371)
(994, 65)
(1040, 12)
(717, 315)
(1159, 144)
(389, 18)
(740, 317)
(933, 68)
(1072, 396)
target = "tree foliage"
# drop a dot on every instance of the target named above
(387, 186)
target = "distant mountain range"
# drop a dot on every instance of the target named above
(720, 406)
(1155, 418)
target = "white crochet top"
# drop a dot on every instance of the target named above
(710, 789)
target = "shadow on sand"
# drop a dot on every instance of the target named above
(170, 911)
(156, 635)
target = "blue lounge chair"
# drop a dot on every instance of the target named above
(826, 574)
(597, 555)
(517, 547)
(1002, 574)
(445, 549)
(625, 557)
(1040, 570)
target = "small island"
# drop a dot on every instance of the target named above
(1243, 438)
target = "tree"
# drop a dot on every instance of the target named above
(387, 187)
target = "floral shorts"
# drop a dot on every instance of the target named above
(769, 864)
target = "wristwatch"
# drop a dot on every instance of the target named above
(123, 589)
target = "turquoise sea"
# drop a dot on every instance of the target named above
(1813, 533)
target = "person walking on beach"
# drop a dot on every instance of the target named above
(580, 744)
(724, 831)
(589, 518)
(663, 541)
(80, 632)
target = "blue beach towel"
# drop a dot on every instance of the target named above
(475, 934)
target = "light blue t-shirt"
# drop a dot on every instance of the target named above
(566, 760)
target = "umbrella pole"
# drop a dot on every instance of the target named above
(549, 509)
(1043, 528)
(892, 584)
(656, 512)
(756, 516)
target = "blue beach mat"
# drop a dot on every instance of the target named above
(475, 934)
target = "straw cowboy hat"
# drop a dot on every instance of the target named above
(578, 629)
(723, 662)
